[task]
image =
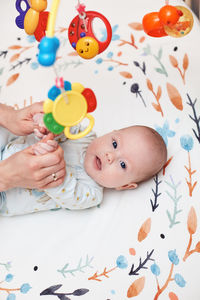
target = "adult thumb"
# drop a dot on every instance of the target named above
(29, 150)
(37, 107)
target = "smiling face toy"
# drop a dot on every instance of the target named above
(87, 47)
(82, 37)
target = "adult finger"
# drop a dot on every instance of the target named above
(46, 160)
(53, 184)
(44, 172)
(36, 107)
(53, 177)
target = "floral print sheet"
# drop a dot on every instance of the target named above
(142, 244)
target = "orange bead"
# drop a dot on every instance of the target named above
(39, 5)
(169, 15)
(152, 25)
(31, 21)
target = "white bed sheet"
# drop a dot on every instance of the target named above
(93, 251)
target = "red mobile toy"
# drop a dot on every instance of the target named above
(82, 37)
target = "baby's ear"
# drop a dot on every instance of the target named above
(129, 186)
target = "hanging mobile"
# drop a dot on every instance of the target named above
(175, 21)
(33, 19)
(67, 104)
(22, 12)
(81, 35)
(183, 25)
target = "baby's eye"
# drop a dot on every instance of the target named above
(123, 165)
(114, 144)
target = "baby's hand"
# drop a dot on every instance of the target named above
(47, 144)
(40, 131)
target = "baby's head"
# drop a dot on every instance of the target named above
(123, 158)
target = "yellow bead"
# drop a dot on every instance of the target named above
(87, 47)
(48, 106)
(78, 87)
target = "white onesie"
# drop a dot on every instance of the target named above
(78, 191)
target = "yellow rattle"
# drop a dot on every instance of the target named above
(68, 106)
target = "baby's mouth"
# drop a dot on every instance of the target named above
(98, 163)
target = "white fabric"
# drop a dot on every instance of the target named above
(69, 247)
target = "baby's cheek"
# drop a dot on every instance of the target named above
(110, 178)
(118, 177)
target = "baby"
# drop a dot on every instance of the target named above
(120, 159)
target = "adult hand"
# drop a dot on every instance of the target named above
(27, 170)
(20, 122)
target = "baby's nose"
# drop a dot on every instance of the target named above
(109, 157)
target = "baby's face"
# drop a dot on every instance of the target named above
(121, 158)
(112, 160)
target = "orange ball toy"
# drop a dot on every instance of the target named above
(152, 25)
(169, 15)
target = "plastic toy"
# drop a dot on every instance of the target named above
(34, 18)
(49, 44)
(67, 104)
(69, 107)
(47, 51)
(82, 37)
(184, 24)
(152, 25)
(169, 15)
(20, 19)
(175, 21)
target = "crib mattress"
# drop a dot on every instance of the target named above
(144, 243)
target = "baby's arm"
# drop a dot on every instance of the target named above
(76, 194)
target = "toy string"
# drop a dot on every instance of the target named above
(62, 88)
